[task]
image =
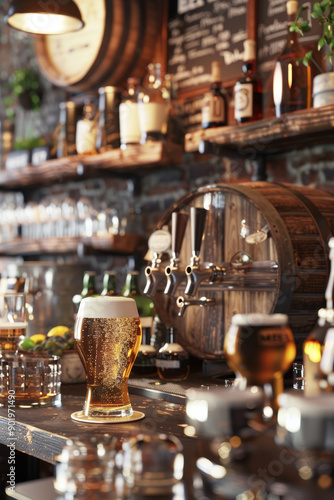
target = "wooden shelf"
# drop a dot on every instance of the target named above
(132, 159)
(126, 244)
(291, 131)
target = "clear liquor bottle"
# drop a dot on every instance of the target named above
(292, 82)
(153, 107)
(66, 129)
(248, 88)
(108, 135)
(128, 114)
(175, 127)
(86, 129)
(214, 109)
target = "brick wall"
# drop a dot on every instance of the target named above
(154, 191)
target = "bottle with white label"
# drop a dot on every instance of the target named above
(85, 137)
(214, 108)
(128, 114)
(248, 90)
(172, 359)
(153, 107)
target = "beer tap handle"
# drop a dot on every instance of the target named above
(179, 224)
(197, 220)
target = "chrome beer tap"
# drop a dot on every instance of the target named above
(174, 274)
(196, 273)
(155, 274)
(158, 242)
(182, 303)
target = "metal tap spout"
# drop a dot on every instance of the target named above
(202, 302)
(155, 274)
(174, 276)
(196, 274)
(173, 273)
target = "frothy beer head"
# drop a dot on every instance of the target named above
(107, 307)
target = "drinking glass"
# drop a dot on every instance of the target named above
(260, 348)
(13, 323)
(29, 380)
(153, 465)
(86, 469)
(107, 336)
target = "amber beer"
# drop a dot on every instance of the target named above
(13, 324)
(107, 335)
(261, 348)
(11, 334)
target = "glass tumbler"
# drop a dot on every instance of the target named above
(13, 323)
(29, 380)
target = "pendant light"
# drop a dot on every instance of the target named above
(44, 17)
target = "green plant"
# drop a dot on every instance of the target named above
(25, 90)
(324, 13)
(28, 143)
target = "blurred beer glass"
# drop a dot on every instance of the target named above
(13, 323)
(260, 348)
(107, 336)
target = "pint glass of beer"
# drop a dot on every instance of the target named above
(107, 336)
(260, 348)
(13, 322)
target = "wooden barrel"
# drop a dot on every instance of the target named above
(284, 229)
(118, 41)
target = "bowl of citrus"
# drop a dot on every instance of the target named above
(58, 341)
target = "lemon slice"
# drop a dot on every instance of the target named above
(38, 338)
(57, 331)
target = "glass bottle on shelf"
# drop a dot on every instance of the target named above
(318, 349)
(88, 289)
(172, 360)
(248, 89)
(152, 107)
(107, 136)
(109, 284)
(214, 108)
(175, 128)
(85, 137)
(66, 129)
(145, 363)
(128, 114)
(131, 289)
(292, 82)
(158, 333)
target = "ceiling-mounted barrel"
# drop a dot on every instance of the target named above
(271, 240)
(118, 41)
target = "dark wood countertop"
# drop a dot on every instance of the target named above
(42, 432)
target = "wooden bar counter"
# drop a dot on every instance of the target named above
(42, 432)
